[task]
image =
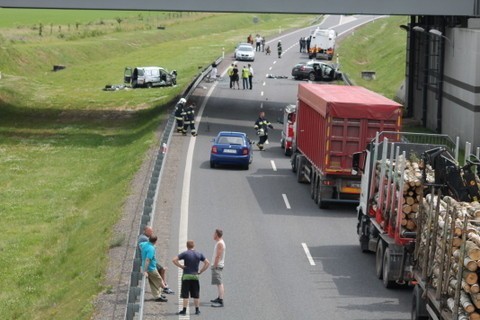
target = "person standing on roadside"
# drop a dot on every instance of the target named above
(190, 278)
(179, 114)
(218, 262)
(149, 267)
(258, 42)
(145, 237)
(236, 77)
(250, 75)
(263, 44)
(279, 48)
(245, 74)
(190, 120)
(230, 74)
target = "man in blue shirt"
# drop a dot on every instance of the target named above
(149, 267)
(190, 279)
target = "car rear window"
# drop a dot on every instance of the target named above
(230, 140)
(245, 48)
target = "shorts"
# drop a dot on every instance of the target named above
(190, 289)
(217, 276)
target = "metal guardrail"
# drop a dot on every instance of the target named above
(136, 291)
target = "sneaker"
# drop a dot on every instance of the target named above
(215, 300)
(182, 313)
(168, 291)
(217, 304)
(161, 299)
(197, 312)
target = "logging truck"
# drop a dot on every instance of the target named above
(332, 123)
(391, 187)
(447, 251)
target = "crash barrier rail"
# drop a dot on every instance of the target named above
(346, 79)
(136, 289)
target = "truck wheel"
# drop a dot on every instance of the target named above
(322, 195)
(419, 308)
(311, 76)
(313, 181)
(363, 236)
(293, 162)
(288, 152)
(282, 143)
(317, 186)
(300, 165)
(379, 259)
(386, 270)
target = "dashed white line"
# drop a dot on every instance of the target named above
(270, 68)
(261, 93)
(274, 167)
(274, 62)
(285, 199)
(264, 83)
(307, 252)
(261, 105)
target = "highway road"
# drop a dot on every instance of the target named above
(285, 257)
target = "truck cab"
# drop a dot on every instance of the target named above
(288, 129)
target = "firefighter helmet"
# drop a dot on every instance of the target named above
(182, 101)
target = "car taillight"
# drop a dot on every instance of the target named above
(214, 149)
(245, 151)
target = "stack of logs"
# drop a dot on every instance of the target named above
(412, 191)
(469, 296)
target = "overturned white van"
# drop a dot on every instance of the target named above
(149, 77)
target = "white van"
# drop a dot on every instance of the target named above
(322, 44)
(149, 77)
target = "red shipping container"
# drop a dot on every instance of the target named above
(334, 121)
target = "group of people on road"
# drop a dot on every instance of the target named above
(191, 258)
(304, 44)
(259, 42)
(185, 117)
(246, 74)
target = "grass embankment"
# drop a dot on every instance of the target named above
(68, 150)
(377, 46)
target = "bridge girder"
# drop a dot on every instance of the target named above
(375, 7)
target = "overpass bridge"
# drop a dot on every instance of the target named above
(442, 73)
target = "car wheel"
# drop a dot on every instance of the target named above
(288, 152)
(379, 259)
(149, 85)
(311, 76)
(212, 164)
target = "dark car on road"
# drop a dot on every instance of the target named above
(231, 148)
(315, 71)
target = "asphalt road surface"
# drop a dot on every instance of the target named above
(285, 257)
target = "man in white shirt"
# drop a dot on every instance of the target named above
(218, 262)
(250, 76)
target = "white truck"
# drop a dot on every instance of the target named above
(322, 44)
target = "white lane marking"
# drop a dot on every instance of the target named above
(183, 225)
(285, 199)
(261, 105)
(274, 167)
(274, 61)
(261, 93)
(307, 252)
(270, 68)
(264, 83)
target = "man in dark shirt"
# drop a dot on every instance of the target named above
(190, 279)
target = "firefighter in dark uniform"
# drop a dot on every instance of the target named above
(189, 120)
(262, 125)
(180, 113)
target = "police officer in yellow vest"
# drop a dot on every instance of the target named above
(245, 75)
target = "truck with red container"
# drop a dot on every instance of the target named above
(332, 123)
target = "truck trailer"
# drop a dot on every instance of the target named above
(332, 123)
(391, 193)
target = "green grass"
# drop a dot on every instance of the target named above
(68, 150)
(378, 46)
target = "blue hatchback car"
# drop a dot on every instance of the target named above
(231, 148)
